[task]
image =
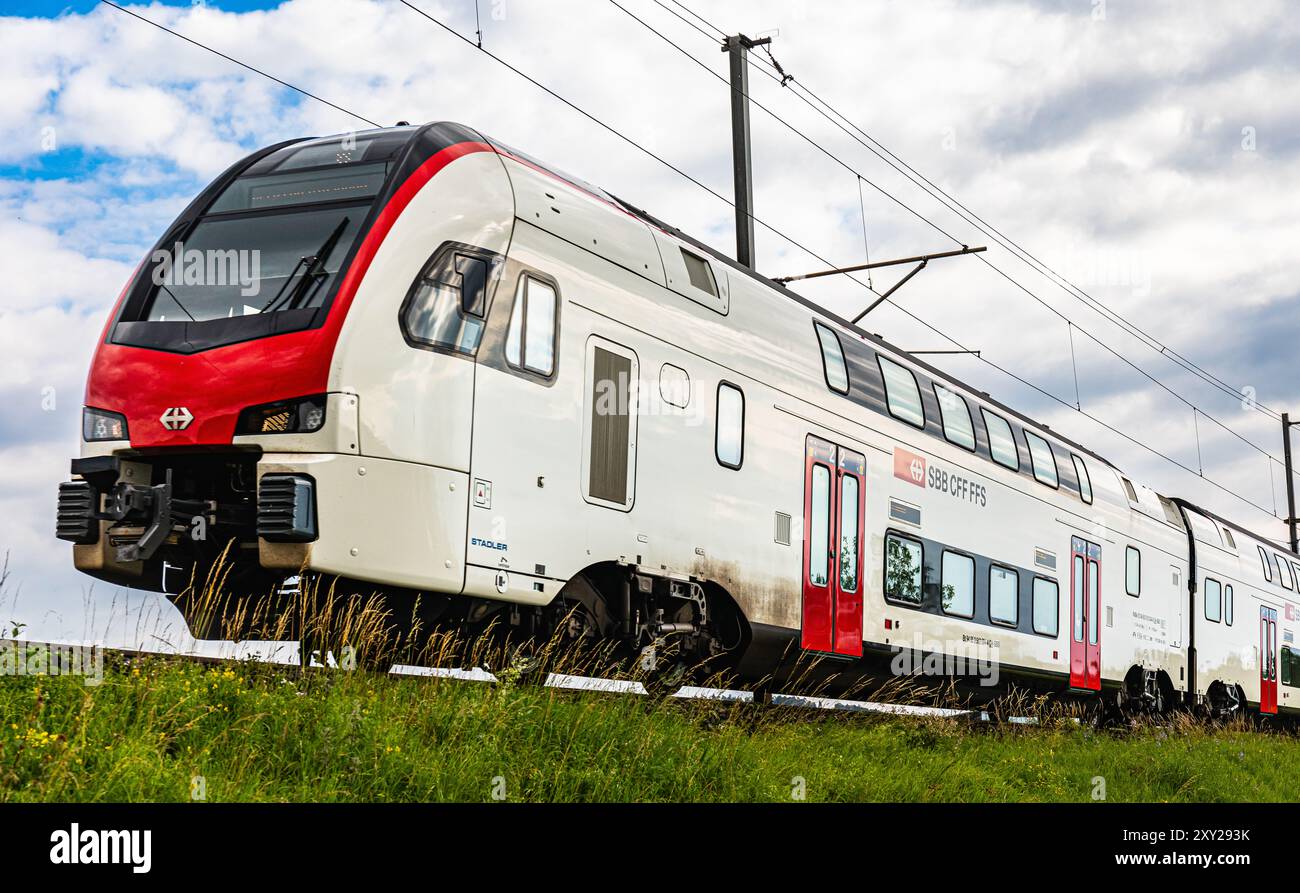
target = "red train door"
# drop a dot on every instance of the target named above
(833, 519)
(1268, 660)
(1085, 614)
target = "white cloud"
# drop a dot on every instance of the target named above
(1102, 143)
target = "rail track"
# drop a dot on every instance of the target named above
(286, 654)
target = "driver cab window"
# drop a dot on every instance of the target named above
(446, 306)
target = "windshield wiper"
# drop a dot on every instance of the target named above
(171, 294)
(313, 273)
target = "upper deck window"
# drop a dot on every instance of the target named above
(1284, 573)
(1042, 459)
(1128, 489)
(957, 425)
(1085, 482)
(1002, 445)
(902, 394)
(833, 367)
(1268, 565)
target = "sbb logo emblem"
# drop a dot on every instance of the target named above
(176, 418)
(909, 467)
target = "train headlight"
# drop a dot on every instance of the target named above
(100, 424)
(301, 416)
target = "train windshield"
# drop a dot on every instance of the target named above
(274, 241)
(254, 264)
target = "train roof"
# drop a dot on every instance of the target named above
(450, 132)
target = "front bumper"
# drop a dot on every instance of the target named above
(383, 521)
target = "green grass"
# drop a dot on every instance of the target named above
(255, 732)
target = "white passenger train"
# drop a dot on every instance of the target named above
(460, 373)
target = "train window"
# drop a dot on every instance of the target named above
(1042, 460)
(833, 368)
(1290, 667)
(1085, 482)
(819, 530)
(1283, 573)
(1002, 445)
(957, 584)
(530, 341)
(729, 440)
(1268, 565)
(1213, 600)
(957, 425)
(446, 305)
(1228, 540)
(1133, 572)
(1128, 488)
(1047, 600)
(1004, 591)
(901, 393)
(1094, 598)
(1227, 605)
(701, 276)
(903, 562)
(1077, 599)
(849, 513)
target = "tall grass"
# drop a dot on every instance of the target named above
(164, 729)
(161, 728)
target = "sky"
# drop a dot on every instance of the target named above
(1146, 152)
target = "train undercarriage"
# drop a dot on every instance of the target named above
(189, 524)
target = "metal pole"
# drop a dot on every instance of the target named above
(897, 285)
(876, 265)
(738, 46)
(1290, 480)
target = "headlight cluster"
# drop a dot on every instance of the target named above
(300, 416)
(100, 424)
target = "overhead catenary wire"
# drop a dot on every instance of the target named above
(1135, 441)
(777, 232)
(984, 260)
(827, 111)
(245, 65)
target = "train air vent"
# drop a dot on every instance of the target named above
(782, 529)
(905, 512)
(286, 508)
(76, 519)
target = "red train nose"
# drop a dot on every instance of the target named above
(173, 399)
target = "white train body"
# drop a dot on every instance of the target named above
(595, 438)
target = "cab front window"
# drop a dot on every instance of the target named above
(267, 252)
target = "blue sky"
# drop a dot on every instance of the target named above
(1149, 151)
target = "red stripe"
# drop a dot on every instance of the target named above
(216, 384)
(384, 222)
